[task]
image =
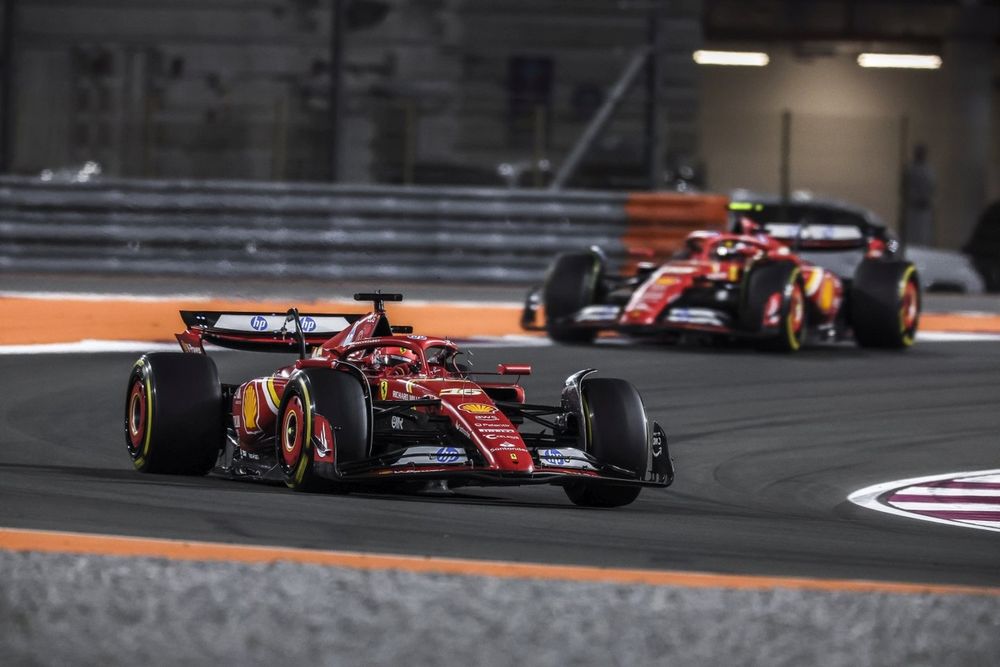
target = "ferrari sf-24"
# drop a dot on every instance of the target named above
(749, 283)
(367, 404)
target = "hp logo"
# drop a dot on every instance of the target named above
(447, 455)
(258, 323)
(308, 324)
(553, 457)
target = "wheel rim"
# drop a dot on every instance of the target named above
(909, 309)
(796, 312)
(291, 432)
(135, 418)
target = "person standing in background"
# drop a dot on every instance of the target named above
(918, 199)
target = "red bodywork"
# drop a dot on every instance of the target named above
(479, 442)
(704, 288)
(468, 404)
(712, 260)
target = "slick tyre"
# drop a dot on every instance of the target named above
(885, 304)
(615, 421)
(174, 414)
(572, 283)
(340, 400)
(763, 282)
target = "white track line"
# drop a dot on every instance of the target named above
(868, 497)
(88, 296)
(946, 507)
(160, 298)
(511, 340)
(943, 493)
(91, 346)
(955, 337)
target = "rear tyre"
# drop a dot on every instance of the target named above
(616, 434)
(789, 322)
(885, 304)
(339, 398)
(570, 285)
(173, 414)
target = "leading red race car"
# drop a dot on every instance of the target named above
(367, 404)
(748, 284)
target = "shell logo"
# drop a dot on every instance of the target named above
(826, 295)
(250, 408)
(477, 408)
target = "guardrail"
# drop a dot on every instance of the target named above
(225, 228)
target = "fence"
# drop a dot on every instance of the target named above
(243, 229)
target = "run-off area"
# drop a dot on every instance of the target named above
(117, 611)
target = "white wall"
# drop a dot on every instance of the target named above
(846, 124)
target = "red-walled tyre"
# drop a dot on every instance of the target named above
(174, 414)
(571, 284)
(885, 304)
(616, 434)
(337, 396)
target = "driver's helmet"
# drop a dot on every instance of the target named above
(731, 248)
(393, 356)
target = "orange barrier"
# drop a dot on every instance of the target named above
(661, 220)
(26, 321)
(960, 322)
(29, 321)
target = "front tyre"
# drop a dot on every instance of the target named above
(774, 306)
(885, 304)
(324, 405)
(571, 285)
(173, 414)
(615, 423)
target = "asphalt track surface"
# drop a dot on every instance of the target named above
(767, 448)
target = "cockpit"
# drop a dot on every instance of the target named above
(405, 357)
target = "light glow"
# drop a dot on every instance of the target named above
(899, 60)
(743, 58)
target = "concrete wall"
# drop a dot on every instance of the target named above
(846, 132)
(238, 88)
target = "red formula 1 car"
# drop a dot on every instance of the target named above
(749, 284)
(371, 404)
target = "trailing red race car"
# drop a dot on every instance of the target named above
(371, 404)
(747, 284)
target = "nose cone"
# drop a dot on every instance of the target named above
(640, 315)
(494, 434)
(651, 298)
(512, 459)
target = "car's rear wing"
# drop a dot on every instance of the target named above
(261, 331)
